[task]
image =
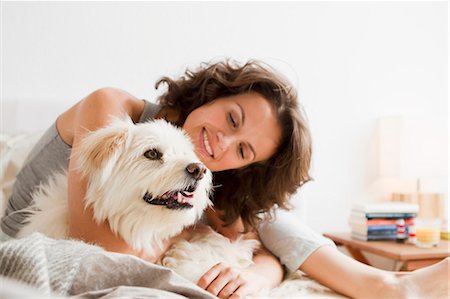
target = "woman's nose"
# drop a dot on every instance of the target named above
(224, 141)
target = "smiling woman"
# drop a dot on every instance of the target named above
(247, 127)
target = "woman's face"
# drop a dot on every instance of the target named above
(234, 131)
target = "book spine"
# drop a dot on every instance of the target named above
(381, 227)
(370, 238)
(379, 221)
(385, 216)
(391, 232)
(390, 215)
(385, 231)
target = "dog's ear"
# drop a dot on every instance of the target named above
(101, 148)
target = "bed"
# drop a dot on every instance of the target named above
(40, 266)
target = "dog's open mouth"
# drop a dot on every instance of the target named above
(180, 199)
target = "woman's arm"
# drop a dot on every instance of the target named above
(226, 282)
(91, 113)
(345, 275)
(354, 279)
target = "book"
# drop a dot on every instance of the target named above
(387, 207)
(373, 237)
(363, 221)
(374, 227)
(384, 215)
(377, 231)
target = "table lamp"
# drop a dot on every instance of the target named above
(415, 149)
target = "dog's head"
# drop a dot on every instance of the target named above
(145, 179)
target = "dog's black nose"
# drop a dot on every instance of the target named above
(196, 170)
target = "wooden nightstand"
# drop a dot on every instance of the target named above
(410, 256)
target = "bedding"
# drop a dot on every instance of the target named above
(69, 267)
(40, 266)
(73, 268)
(14, 149)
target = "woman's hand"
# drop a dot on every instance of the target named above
(227, 282)
(224, 281)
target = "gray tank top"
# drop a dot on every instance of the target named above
(49, 155)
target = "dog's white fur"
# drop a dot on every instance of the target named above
(119, 175)
(205, 248)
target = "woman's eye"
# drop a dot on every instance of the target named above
(241, 151)
(153, 154)
(232, 121)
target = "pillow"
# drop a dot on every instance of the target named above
(14, 149)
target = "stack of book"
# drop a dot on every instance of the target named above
(379, 220)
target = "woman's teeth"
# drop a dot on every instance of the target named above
(206, 142)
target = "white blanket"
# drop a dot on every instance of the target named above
(68, 267)
(73, 268)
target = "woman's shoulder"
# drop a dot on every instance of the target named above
(138, 109)
(106, 96)
(96, 110)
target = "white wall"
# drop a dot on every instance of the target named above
(351, 61)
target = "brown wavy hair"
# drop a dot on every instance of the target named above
(258, 187)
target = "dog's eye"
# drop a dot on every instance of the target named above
(153, 154)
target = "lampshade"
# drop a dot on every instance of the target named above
(412, 147)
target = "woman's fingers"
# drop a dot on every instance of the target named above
(209, 276)
(221, 280)
(226, 275)
(231, 288)
(240, 293)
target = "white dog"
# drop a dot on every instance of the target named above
(144, 179)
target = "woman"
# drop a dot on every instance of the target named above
(247, 128)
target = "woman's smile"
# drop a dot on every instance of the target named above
(206, 143)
